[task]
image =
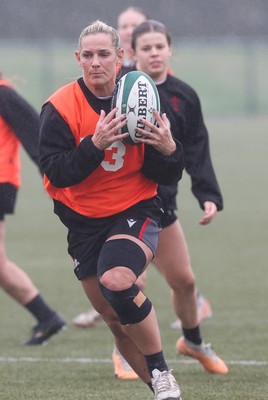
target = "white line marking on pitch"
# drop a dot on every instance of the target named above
(108, 360)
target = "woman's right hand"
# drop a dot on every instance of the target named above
(107, 129)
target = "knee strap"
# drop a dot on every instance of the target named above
(131, 305)
(123, 253)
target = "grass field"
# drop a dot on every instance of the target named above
(230, 262)
(229, 257)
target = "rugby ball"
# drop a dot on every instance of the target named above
(136, 95)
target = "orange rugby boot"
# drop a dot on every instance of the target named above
(204, 354)
(122, 369)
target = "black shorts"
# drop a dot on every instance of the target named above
(141, 221)
(8, 194)
(168, 218)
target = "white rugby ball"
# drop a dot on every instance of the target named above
(136, 95)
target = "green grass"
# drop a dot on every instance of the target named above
(229, 258)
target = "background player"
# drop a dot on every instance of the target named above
(19, 124)
(127, 20)
(151, 44)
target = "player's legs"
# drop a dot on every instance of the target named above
(146, 332)
(124, 343)
(133, 308)
(15, 282)
(173, 261)
(126, 250)
(91, 318)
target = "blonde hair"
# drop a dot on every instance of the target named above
(100, 27)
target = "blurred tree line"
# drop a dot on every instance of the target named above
(62, 19)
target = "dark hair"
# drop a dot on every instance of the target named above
(149, 25)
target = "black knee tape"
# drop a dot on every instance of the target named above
(123, 253)
(131, 305)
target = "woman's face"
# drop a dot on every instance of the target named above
(127, 22)
(152, 55)
(98, 59)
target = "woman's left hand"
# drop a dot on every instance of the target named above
(159, 136)
(210, 211)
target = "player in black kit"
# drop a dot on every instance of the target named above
(151, 44)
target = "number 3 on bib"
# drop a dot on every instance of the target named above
(114, 156)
